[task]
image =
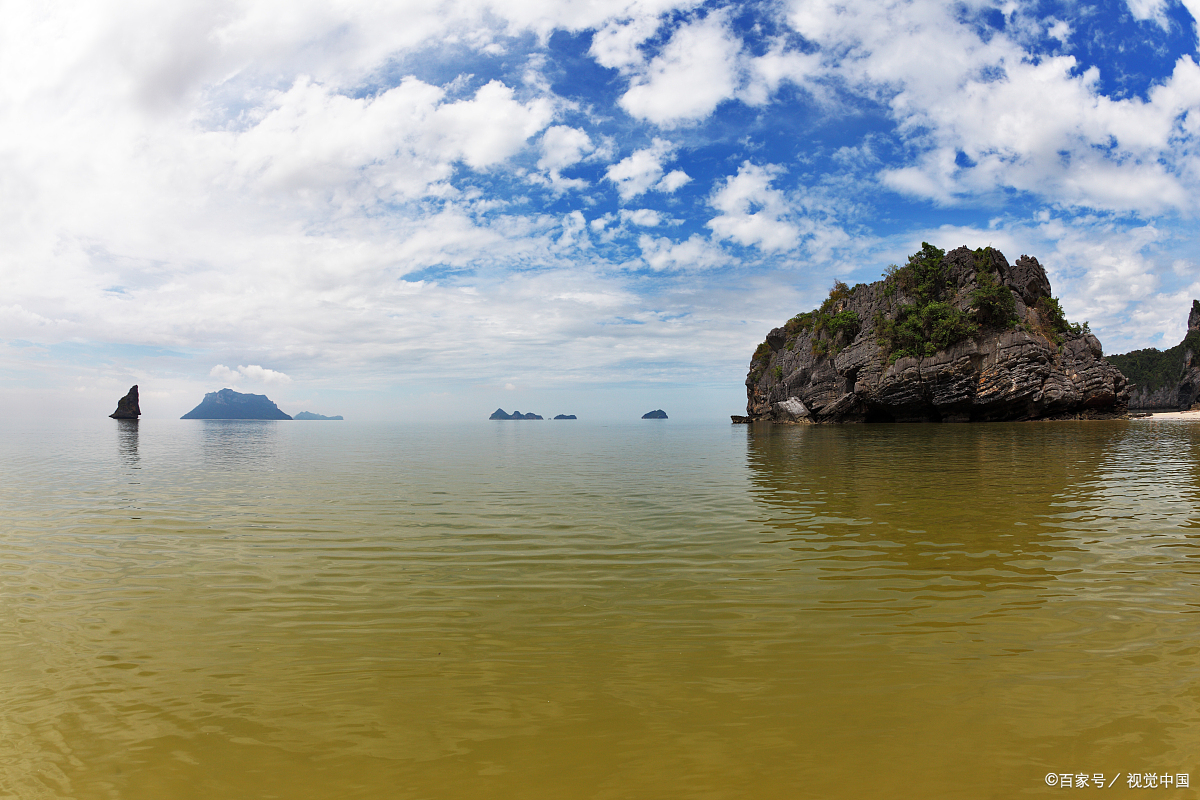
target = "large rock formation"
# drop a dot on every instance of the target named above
(228, 404)
(1164, 379)
(959, 336)
(127, 406)
(657, 413)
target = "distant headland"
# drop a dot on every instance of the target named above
(228, 404)
(949, 337)
(566, 416)
(311, 415)
(1163, 379)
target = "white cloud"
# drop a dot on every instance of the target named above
(252, 373)
(563, 146)
(753, 213)
(695, 71)
(638, 172)
(672, 181)
(693, 254)
(1040, 125)
(642, 217)
(402, 141)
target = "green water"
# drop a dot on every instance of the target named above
(568, 610)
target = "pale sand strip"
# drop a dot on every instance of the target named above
(1194, 416)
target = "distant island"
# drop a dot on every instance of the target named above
(228, 404)
(656, 414)
(566, 416)
(310, 415)
(1165, 378)
(499, 413)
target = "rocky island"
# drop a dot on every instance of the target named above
(499, 414)
(127, 406)
(658, 413)
(228, 404)
(566, 416)
(1165, 379)
(311, 416)
(949, 337)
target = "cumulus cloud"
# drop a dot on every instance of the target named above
(642, 217)
(692, 74)
(752, 212)
(252, 373)
(695, 253)
(703, 64)
(981, 114)
(401, 141)
(637, 173)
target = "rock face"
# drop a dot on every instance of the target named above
(1163, 379)
(228, 404)
(960, 336)
(566, 416)
(310, 415)
(656, 414)
(500, 414)
(127, 406)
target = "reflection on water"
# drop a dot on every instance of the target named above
(238, 443)
(127, 441)
(586, 611)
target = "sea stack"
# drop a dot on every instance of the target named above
(962, 336)
(127, 406)
(228, 404)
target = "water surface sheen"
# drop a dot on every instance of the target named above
(559, 610)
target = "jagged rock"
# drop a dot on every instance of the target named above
(1162, 379)
(311, 416)
(228, 404)
(127, 406)
(1028, 365)
(500, 414)
(566, 416)
(656, 414)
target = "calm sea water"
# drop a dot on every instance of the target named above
(569, 610)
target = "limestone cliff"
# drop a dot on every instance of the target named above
(1164, 379)
(959, 336)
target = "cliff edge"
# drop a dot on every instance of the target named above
(949, 337)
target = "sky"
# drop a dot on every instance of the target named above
(428, 210)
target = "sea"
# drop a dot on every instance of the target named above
(558, 610)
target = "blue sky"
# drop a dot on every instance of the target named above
(431, 209)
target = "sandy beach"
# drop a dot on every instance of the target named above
(1193, 415)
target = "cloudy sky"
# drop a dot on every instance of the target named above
(430, 209)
